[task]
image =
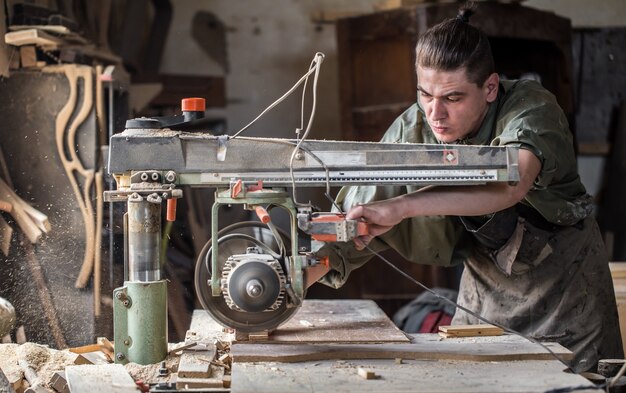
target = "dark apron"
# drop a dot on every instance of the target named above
(548, 281)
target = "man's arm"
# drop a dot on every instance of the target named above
(449, 200)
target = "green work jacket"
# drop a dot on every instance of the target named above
(524, 115)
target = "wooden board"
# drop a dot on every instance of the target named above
(469, 330)
(411, 376)
(424, 346)
(342, 321)
(31, 37)
(110, 378)
(323, 321)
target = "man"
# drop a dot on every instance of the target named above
(534, 259)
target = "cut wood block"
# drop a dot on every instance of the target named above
(108, 378)
(107, 347)
(28, 56)
(58, 382)
(470, 330)
(196, 364)
(365, 373)
(96, 357)
(227, 380)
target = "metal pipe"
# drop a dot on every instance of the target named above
(144, 239)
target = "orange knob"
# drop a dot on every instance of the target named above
(193, 104)
(262, 214)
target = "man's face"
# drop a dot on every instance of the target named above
(454, 106)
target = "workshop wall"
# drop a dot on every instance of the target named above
(264, 48)
(269, 45)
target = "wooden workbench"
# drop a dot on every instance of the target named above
(321, 348)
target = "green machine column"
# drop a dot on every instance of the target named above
(140, 306)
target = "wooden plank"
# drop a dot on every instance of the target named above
(411, 376)
(469, 330)
(109, 378)
(341, 321)
(320, 321)
(424, 347)
(31, 37)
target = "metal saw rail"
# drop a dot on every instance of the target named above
(204, 160)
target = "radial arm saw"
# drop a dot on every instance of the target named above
(259, 280)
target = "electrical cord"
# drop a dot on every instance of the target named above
(456, 305)
(281, 98)
(483, 319)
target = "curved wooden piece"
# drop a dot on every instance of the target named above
(72, 164)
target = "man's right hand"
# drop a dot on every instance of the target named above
(381, 216)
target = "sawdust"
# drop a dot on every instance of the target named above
(150, 373)
(42, 359)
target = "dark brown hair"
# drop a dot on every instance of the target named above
(454, 44)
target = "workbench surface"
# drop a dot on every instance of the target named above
(322, 347)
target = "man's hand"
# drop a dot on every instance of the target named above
(380, 217)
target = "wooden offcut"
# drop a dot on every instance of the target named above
(470, 330)
(196, 364)
(32, 37)
(365, 373)
(109, 378)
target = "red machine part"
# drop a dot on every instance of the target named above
(361, 229)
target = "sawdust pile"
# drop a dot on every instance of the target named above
(40, 358)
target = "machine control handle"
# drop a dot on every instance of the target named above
(332, 227)
(263, 215)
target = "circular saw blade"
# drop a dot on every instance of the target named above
(243, 321)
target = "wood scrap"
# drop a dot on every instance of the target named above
(28, 56)
(32, 37)
(94, 357)
(196, 364)
(366, 374)
(5, 386)
(176, 350)
(6, 234)
(107, 378)
(85, 348)
(107, 347)
(31, 221)
(58, 382)
(470, 330)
